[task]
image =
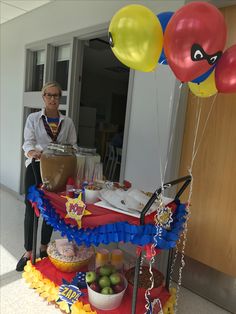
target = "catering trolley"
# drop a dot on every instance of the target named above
(115, 234)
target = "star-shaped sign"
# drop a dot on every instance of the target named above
(164, 217)
(76, 209)
(68, 293)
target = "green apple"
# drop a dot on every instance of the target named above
(115, 278)
(90, 277)
(104, 281)
(107, 290)
(105, 270)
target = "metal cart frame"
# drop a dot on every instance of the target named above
(153, 198)
(155, 195)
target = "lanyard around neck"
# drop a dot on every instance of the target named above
(49, 131)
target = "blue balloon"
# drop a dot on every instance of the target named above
(204, 76)
(164, 18)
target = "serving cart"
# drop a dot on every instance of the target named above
(116, 227)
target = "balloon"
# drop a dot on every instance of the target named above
(194, 40)
(204, 76)
(164, 18)
(205, 89)
(226, 71)
(136, 37)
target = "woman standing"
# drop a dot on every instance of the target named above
(42, 128)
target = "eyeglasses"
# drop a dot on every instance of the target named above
(49, 96)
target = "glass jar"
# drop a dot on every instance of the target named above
(117, 259)
(102, 257)
(57, 164)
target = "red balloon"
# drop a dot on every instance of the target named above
(225, 73)
(194, 40)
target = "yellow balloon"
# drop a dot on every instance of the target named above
(206, 88)
(136, 37)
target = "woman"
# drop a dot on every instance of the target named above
(42, 128)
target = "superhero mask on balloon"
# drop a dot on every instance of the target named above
(198, 53)
(194, 40)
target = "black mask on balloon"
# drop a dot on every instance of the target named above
(111, 42)
(198, 54)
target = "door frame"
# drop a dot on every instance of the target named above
(77, 40)
(75, 91)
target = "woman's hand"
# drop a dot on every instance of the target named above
(34, 154)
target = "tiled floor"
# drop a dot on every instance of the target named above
(17, 298)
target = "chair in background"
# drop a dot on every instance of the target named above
(117, 162)
(105, 157)
(110, 161)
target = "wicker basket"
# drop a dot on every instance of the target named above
(144, 277)
(67, 266)
(144, 282)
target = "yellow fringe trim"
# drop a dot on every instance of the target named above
(168, 308)
(49, 291)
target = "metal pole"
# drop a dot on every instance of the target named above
(154, 196)
(136, 277)
(35, 226)
(35, 230)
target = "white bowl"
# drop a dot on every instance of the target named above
(106, 301)
(91, 196)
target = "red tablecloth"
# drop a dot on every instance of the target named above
(49, 271)
(100, 216)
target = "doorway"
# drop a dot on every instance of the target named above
(103, 103)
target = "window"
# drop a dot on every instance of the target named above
(62, 66)
(38, 70)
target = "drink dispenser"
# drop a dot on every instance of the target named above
(57, 164)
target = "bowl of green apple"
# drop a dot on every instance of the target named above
(106, 287)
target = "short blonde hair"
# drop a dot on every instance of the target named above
(51, 84)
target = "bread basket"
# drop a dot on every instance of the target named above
(69, 264)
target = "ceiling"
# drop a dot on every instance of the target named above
(219, 3)
(10, 9)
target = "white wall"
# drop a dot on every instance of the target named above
(150, 127)
(57, 18)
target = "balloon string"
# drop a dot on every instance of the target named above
(153, 254)
(160, 205)
(173, 128)
(159, 144)
(197, 118)
(184, 234)
(204, 128)
(184, 241)
(162, 174)
(171, 113)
